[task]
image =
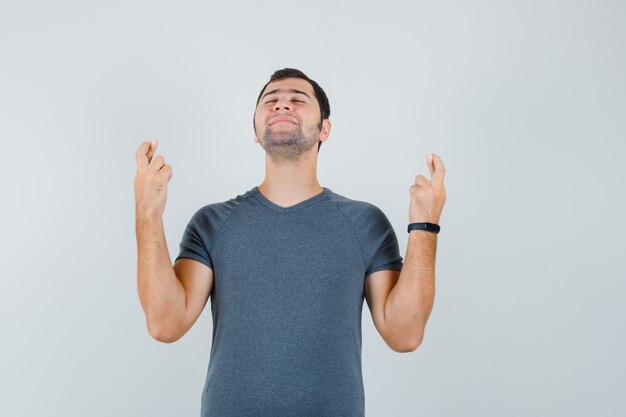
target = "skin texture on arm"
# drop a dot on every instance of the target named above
(378, 285)
(410, 302)
(197, 280)
(161, 294)
(401, 319)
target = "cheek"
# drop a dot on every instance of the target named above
(312, 117)
(260, 118)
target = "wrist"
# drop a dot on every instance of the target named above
(424, 219)
(148, 215)
(428, 227)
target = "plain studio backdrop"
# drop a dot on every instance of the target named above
(525, 102)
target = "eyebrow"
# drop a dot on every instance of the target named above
(283, 90)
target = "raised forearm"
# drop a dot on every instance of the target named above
(410, 301)
(161, 294)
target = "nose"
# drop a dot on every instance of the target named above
(282, 104)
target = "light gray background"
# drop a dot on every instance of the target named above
(524, 101)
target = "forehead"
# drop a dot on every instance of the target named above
(291, 83)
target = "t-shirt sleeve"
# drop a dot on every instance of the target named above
(195, 241)
(380, 243)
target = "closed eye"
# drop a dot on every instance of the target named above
(274, 100)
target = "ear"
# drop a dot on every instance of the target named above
(256, 140)
(325, 130)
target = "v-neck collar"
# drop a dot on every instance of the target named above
(266, 202)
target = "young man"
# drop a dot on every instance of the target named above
(287, 265)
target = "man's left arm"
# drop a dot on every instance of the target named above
(409, 303)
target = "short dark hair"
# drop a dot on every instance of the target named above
(320, 95)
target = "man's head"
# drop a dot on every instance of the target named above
(304, 106)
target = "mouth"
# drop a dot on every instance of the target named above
(282, 120)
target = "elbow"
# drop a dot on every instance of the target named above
(408, 346)
(160, 335)
(164, 339)
(405, 349)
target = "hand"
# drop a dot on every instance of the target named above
(428, 197)
(151, 180)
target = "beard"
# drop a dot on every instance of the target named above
(285, 146)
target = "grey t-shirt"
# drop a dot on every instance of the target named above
(287, 301)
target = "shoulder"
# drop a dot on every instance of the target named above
(358, 211)
(213, 215)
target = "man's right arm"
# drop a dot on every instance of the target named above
(172, 297)
(161, 294)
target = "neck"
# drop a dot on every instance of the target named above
(288, 183)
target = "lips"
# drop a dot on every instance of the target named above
(283, 119)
